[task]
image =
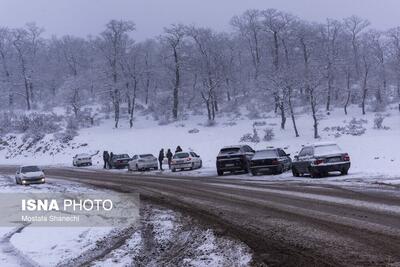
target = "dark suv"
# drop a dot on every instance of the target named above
(320, 159)
(234, 158)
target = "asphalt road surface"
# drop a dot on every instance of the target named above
(285, 223)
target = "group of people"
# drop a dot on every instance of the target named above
(168, 155)
(107, 157)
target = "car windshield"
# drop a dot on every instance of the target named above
(181, 155)
(122, 156)
(30, 169)
(327, 149)
(266, 154)
(146, 156)
(230, 150)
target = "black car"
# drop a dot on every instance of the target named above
(119, 161)
(234, 159)
(272, 160)
(320, 159)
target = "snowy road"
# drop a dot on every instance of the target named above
(284, 223)
(162, 237)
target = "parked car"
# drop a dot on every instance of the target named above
(143, 162)
(82, 160)
(119, 161)
(186, 160)
(29, 175)
(319, 159)
(272, 160)
(234, 158)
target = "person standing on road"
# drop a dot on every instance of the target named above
(169, 157)
(161, 158)
(178, 149)
(110, 160)
(106, 159)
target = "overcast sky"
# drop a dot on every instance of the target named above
(84, 17)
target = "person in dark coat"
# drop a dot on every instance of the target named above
(106, 159)
(110, 160)
(169, 157)
(178, 149)
(161, 158)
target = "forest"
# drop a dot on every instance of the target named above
(270, 61)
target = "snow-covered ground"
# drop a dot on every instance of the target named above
(373, 154)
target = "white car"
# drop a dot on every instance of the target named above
(29, 175)
(186, 160)
(143, 162)
(82, 160)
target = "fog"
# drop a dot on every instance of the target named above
(88, 17)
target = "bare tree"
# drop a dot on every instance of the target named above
(114, 42)
(173, 37)
(249, 26)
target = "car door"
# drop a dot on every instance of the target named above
(249, 152)
(134, 161)
(306, 158)
(302, 159)
(195, 159)
(284, 158)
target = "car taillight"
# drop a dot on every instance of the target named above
(318, 161)
(275, 162)
(346, 157)
(189, 159)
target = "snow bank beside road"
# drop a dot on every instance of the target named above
(375, 152)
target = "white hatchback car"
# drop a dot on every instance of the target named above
(143, 162)
(82, 160)
(186, 160)
(29, 175)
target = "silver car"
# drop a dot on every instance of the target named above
(82, 160)
(186, 160)
(143, 162)
(29, 175)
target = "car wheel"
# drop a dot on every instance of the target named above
(220, 173)
(254, 172)
(156, 168)
(247, 167)
(173, 170)
(315, 174)
(295, 172)
(344, 172)
(201, 164)
(279, 170)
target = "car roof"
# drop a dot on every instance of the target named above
(238, 146)
(324, 144)
(83, 154)
(23, 166)
(268, 149)
(184, 152)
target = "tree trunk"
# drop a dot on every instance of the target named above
(364, 89)
(314, 113)
(176, 86)
(292, 112)
(348, 92)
